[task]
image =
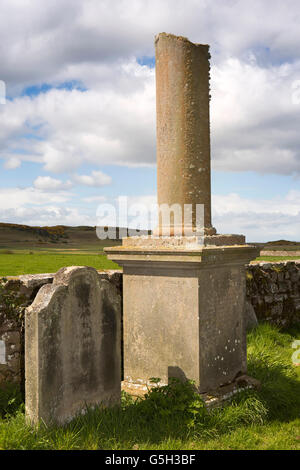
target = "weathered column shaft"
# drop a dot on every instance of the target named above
(183, 131)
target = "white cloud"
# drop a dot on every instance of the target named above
(13, 198)
(32, 206)
(12, 163)
(53, 40)
(255, 122)
(47, 215)
(74, 127)
(255, 62)
(234, 203)
(97, 178)
(260, 219)
(46, 183)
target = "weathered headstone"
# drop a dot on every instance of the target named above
(72, 346)
(183, 301)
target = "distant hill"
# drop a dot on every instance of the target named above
(44, 233)
(281, 243)
(17, 236)
(62, 237)
(278, 248)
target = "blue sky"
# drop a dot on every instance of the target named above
(78, 126)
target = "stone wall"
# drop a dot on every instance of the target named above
(23, 290)
(26, 288)
(273, 294)
(273, 290)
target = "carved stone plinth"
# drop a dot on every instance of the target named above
(183, 312)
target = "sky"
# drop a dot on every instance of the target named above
(77, 128)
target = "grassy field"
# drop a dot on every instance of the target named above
(31, 250)
(277, 258)
(174, 417)
(16, 262)
(40, 262)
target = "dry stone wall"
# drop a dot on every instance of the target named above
(273, 290)
(22, 290)
(273, 295)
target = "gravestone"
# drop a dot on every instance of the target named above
(183, 294)
(72, 346)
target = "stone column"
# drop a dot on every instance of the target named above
(183, 131)
(183, 300)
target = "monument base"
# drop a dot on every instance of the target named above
(183, 311)
(194, 241)
(212, 399)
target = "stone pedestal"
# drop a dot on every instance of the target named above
(183, 296)
(183, 312)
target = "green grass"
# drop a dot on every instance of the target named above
(174, 417)
(15, 264)
(277, 258)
